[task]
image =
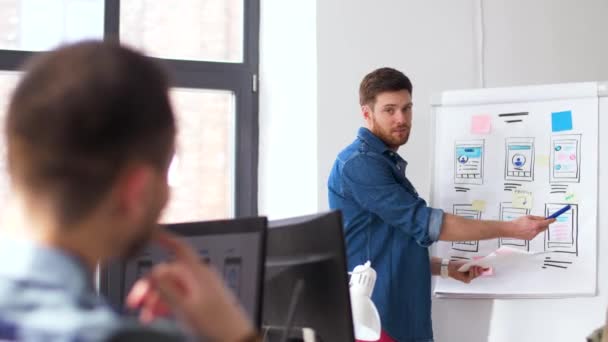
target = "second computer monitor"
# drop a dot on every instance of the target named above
(306, 272)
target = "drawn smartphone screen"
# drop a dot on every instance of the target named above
(519, 163)
(469, 162)
(565, 158)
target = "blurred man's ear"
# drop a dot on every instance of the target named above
(134, 191)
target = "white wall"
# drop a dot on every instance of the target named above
(288, 105)
(432, 44)
(526, 42)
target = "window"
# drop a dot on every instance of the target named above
(210, 48)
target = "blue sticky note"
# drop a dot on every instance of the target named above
(561, 121)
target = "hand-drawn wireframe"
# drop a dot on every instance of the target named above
(565, 158)
(468, 162)
(510, 213)
(519, 159)
(562, 235)
(466, 210)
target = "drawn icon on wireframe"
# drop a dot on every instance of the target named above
(469, 158)
(519, 162)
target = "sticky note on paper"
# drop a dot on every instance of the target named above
(489, 271)
(542, 160)
(522, 199)
(481, 124)
(479, 205)
(561, 121)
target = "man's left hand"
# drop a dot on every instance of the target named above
(464, 277)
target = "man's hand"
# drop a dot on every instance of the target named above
(193, 292)
(527, 227)
(464, 277)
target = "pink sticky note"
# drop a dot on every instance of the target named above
(488, 272)
(481, 124)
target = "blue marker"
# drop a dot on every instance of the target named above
(559, 212)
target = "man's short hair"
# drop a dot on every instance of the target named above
(379, 81)
(79, 116)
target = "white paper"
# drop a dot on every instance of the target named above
(501, 259)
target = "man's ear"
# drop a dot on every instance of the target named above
(134, 188)
(366, 111)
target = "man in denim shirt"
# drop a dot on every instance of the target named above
(386, 221)
(90, 135)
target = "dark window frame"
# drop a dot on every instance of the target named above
(240, 78)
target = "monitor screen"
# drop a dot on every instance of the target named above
(235, 248)
(306, 280)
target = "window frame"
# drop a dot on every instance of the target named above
(239, 78)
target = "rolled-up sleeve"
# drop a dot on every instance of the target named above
(371, 183)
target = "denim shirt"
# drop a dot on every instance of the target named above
(48, 295)
(386, 222)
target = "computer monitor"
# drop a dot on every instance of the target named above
(308, 251)
(236, 248)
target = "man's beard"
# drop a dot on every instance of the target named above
(146, 232)
(139, 242)
(388, 138)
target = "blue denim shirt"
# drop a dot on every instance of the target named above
(388, 223)
(48, 295)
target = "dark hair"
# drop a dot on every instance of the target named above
(379, 81)
(79, 115)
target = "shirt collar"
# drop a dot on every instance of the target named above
(378, 145)
(26, 261)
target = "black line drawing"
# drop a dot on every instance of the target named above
(459, 257)
(558, 266)
(558, 262)
(466, 210)
(468, 162)
(562, 235)
(513, 121)
(509, 213)
(513, 114)
(565, 158)
(519, 159)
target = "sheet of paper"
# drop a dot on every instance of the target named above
(500, 258)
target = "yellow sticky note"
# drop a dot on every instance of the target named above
(570, 197)
(479, 205)
(542, 160)
(522, 199)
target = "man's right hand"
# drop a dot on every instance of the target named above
(527, 227)
(193, 292)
